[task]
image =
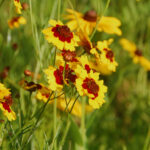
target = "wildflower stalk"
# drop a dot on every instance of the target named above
(35, 125)
(69, 2)
(34, 29)
(98, 21)
(59, 7)
(65, 134)
(83, 130)
(55, 101)
(55, 122)
(53, 10)
(73, 104)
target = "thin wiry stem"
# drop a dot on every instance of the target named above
(74, 103)
(55, 121)
(59, 8)
(83, 130)
(34, 127)
(65, 134)
(98, 21)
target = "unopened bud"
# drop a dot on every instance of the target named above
(27, 73)
(25, 6)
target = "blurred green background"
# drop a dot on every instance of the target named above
(123, 123)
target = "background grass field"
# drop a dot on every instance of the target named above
(123, 123)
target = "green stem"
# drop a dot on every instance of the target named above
(33, 26)
(98, 21)
(35, 125)
(59, 7)
(65, 134)
(55, 122)
(76, 17)
(73, 104)
(83, 130)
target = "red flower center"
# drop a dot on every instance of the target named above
(59, 75)
(138, 52)
(7, 103)
(87, 68)
(69, 56)
(90, 16)
(63, 33)
(109, 54)
(91, 87)
(86, 45)
(69, 75)
(45, 95)
(15, 19)
(6, 106)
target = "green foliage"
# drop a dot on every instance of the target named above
(122, 123)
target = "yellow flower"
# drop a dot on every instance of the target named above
(18, 6)
(135, 53)
(16, 21)
(105, 61)
(110, 25)
(85, 42)
(61, 36)
(84, 61)
(88, 84)
(145, 63)
(43, 93)
(87, 22)
(55, 76)
(127, 45)
(6, 102)
(66, 56)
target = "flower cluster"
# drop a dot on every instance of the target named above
(6, 102)
(18, 20)
(80, 61)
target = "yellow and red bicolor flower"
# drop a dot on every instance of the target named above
(43, 93)
(85, 42)
(29, 86)
(85, 63)
(105, 61)
(88, 84)
(135, 53)
(58, 76)
(87, 22)
(6, 102)
(61, 36)
(18, 6)
(69, 56)
(15, 22)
